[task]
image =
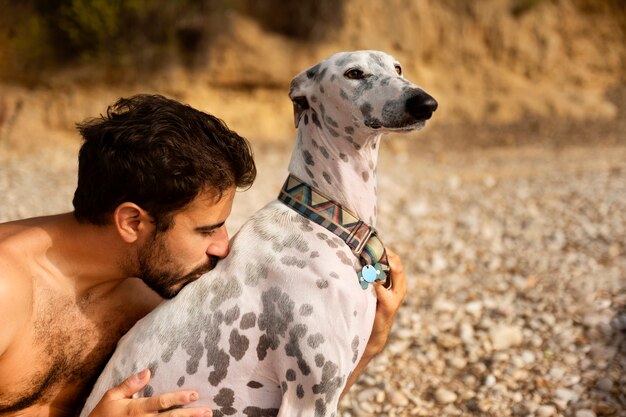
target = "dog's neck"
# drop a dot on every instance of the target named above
(337, 168)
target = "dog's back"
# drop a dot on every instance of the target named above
(277, 325)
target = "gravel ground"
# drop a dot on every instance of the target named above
(517, 265)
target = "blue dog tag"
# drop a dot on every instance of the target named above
(371, 273)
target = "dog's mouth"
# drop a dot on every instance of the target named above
(415, 122)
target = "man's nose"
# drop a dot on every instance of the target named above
(219, 245)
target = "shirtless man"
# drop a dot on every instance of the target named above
(156, 183)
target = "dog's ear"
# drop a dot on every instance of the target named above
(297, 92)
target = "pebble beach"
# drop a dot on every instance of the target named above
(516, 257)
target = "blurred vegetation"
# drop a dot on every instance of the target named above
(42, 35)
(39, 36)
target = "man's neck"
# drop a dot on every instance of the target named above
(85, 257)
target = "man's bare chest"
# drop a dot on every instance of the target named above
(59, 355)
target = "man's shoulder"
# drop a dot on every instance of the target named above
(16, 285)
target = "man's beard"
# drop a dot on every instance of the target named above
(159, 272)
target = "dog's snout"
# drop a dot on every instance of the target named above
(421, 105)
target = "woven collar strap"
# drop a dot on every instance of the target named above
(315, 206)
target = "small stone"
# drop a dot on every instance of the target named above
(546, 411)
(443, 396)
(528, 357)
(604, 384)
(458, 362)
(585, 413)
(504, 337)
(398, 399)
(566, 394)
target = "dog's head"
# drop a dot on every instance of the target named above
(359, 91)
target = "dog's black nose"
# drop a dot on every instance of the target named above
(421, 105)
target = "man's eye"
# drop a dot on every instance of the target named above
(354, 74)
(208, 232)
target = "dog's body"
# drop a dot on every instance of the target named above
(278, 326)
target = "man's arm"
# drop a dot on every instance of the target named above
(389, 302)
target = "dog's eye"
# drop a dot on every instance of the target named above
(354, 74)
(398, 69)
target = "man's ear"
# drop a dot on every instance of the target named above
(131, 221)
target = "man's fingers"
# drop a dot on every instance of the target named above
(130, 386)
(163, 402)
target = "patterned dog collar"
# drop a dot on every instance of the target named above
(359, 236)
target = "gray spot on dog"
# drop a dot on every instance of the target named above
(365, 175)
(324, 152)
(327, 177)
(300, 391)
(315, 340)
(225, 398)
(331, 121)
(254, 384)
(315, 254)
(181, 381)
(315, 119)
(330, 383)
(343, 95)
(259, 412)
(319, 360)
(321, 89)
(248, 321)
(308, 158)
(148, 391)
(332, 244)
(277, 314)
(334, 275)
(254, 272)
(231, 315)
(321, 284)
(283, 387)
(349, 130)
(306, 309)
(292, 260)
(238, 344)
(223, 290)
(290, 375)
(355, 348)
(292, 348)
(366, 110)
(344, 258)
(306, 119)
(332, 132)
(320, 408)
(321, 236)
(309, 172)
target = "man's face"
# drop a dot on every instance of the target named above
(190, 247)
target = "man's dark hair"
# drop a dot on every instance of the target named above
(159, 154)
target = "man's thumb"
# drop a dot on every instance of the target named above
(130, 386)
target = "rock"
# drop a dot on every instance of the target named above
(444, 396)
(566, 394)
(546, 411)
(397, 399)
(504, 337)
(604, 384)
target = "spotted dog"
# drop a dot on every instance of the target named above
(278, 326)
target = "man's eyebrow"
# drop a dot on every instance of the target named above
(210, 227)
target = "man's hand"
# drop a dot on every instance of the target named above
(117, 401)
(389, 302)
